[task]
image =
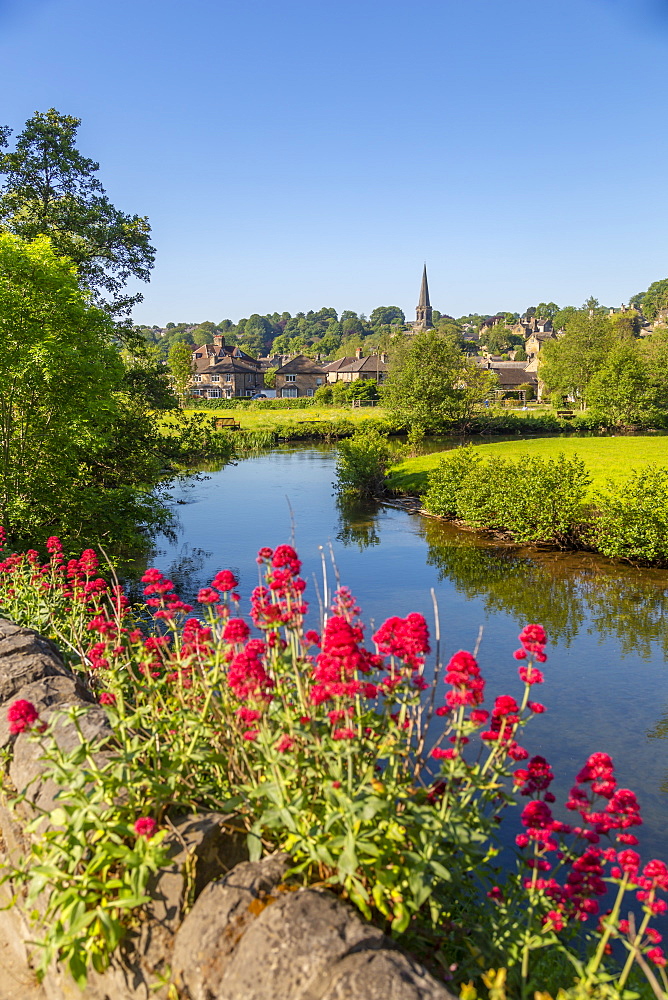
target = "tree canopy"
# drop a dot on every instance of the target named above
(51, 189)
(431, 384)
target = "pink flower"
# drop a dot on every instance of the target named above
(145, 826)
(285, 744)
(107, 698)
(21, 714)
(344, 734)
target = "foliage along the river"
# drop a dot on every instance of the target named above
(347, 757)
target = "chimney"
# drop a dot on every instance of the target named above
(358, 353)
(213, 360)
(218, 340)
(383, 358)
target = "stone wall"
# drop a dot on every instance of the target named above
(228, 929)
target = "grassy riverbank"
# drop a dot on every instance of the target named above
(262, 419)
(606, 458)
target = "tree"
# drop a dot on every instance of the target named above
(51, 189)
(655, 299)
(431, 384)
(59, 371)
(497, 338)
(386, 315)
(620, 390)
(181, 367)
(547, 310)
(567, 365)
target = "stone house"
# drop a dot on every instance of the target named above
(374, 366)
(221, 371)
(299, 377)
(511, 374)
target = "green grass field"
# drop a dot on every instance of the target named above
(606, 458)
(268, 419)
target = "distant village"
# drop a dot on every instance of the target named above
(223, 369)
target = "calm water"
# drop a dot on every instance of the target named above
(606, 677)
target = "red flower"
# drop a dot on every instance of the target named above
(236, 630)
(406, 638)
(344, 734)
(107, 698)
(207, 595)
(225, 581)
(21, 714)
(464, 675)
(285, 744)
(145, 826)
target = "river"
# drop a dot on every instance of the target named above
(606, 676)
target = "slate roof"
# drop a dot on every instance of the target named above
(301, 365)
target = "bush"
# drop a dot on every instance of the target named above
(632, 519)
(533, 500)
(361, 463)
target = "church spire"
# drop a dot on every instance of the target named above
(423, 311)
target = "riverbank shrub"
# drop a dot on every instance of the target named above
(361, 464)
(631, 522)
(386, 786)
(533, 500)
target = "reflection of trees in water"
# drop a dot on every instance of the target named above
(560, 590)
(357, 523)
(660, 732)
(185, 571)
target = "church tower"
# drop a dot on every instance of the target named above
(423, 311)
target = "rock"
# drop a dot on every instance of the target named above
(202, 848)
(27, 768)
(212, 929)
(249, 937)
(380, 975)
(47, 693)
(25, 657)
(288, 950)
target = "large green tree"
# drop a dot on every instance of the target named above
(59, 372)
(431, 384)
(51, 189)
(621, 390)
(567, 365)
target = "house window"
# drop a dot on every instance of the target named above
(290, 391)
(198, 355)
(290, 378)
(215, 378)
(318, 381)
(309, 392)
(215, 393)
(198, 378)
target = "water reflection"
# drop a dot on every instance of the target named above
(358, 523)
(566, 592)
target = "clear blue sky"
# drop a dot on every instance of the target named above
(302, 154)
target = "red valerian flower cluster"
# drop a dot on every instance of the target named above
(21, 715)
(463, 673)
(145, 826)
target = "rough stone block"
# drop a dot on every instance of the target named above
(27, 769)
(202, 848)
(214, 926)
(44, 694)
(25, 657)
